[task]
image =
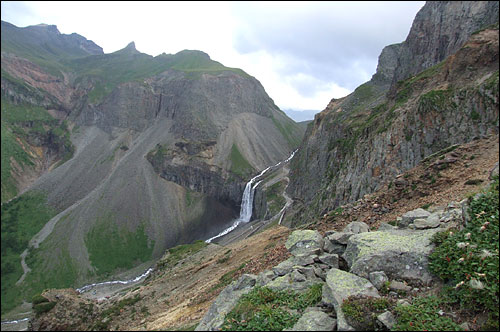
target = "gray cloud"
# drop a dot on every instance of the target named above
(330, 41)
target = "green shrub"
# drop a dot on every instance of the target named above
(423, 315)
(38, 298)
(361, 312)
(468, 259)
(43, 307)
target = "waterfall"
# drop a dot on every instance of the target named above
(247, 200)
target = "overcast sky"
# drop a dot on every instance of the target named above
(303, 53)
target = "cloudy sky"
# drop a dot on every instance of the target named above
(303, 53)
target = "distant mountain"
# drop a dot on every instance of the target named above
(126, 154)
(299, 116)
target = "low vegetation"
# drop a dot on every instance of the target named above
(264, 309)
(467, 261)
(26, 126)
(111, 247)
(22, 218)
(239, 165)
(361, 312)
(179, 252)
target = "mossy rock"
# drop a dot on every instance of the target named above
(43, 307)
(38, 298)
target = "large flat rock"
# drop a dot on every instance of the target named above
(401, 254)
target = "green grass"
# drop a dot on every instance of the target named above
(436, 100)
(22, 218)
(264, 309)
(239, 165)
(111, 247)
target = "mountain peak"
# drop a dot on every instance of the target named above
(131, 46)
(129, 49)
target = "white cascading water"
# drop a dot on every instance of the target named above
(123, 282)
(247, 200)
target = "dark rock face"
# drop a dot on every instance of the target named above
(194, 174)
(440, 29)
(370, 136)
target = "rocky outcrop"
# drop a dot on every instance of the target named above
(226, 301)
(360, 141)
(440, 29)
(391, 262)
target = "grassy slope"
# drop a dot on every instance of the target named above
(19, 123)
(22, 218)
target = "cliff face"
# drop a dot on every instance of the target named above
(383, 128)
(440, 29)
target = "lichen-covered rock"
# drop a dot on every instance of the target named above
(338, 287)
(401, 254)
(304, 242)
(225, 302)
(314, 321)
(341, 284)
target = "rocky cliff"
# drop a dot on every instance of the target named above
(389, 125)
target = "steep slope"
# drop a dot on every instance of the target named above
(381, 129)
(140, 127)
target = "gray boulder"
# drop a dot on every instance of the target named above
(356, 227)
(401, 254)
(332, 260)
(410, 216)
(430, 222)
(225, 302)
(386, 320)
(333, 248)
(338, 287)
(287, 266)
(378, 279)
(304, 242)
(314, 320)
